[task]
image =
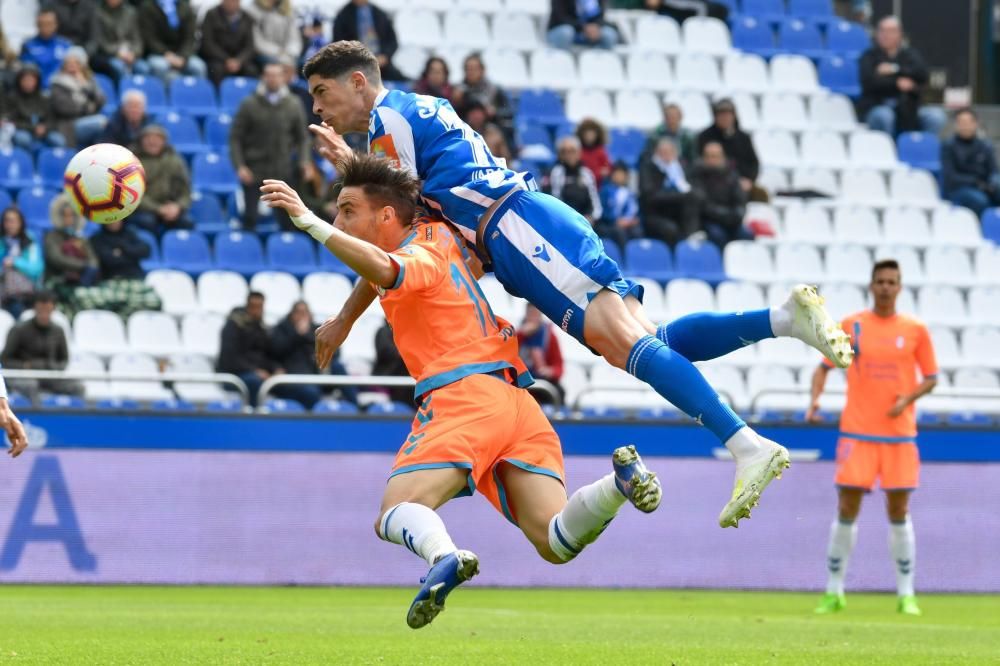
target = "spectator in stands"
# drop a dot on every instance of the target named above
(70, 260)
(119, 252)
(668, 205)
(621, 208)
(8, 61)
(128, 120)
(969, 166)
(77, 100)
(893, 78)
(539, 349)
(859, 11)
(738, 146)
(722, 202)
(276, 32)
(360, 20)
(74, 17)
(115, 44)
(476, 87)
(167, 28)
(573, 183)
(594, 153)
(496, 141)
(39, 344)
(165, 204)
(315, 193)
(679, 10)
(21, 267)
(293, 348)
(227, 45)
(580, 22)
(671, 127)
(434, 81)
(47, 48)
(269, 139)
(30, 109)
(388, 363)
(245, 349)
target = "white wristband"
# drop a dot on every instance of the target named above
(314, 226)
(3, 388)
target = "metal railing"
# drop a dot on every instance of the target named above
(969, 393)
(725, 395)
(82, 375)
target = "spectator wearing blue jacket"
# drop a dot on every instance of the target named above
(21, 264)
(46, 49)
(969, 166)
(580, 22)
(620, 205)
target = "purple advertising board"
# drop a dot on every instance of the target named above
(186, 517)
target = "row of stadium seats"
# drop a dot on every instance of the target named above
(811, 37)
(195, 96)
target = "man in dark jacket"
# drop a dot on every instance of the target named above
(115, 45)
(722, 201)
(388, 363)
(119, 252)
(125, 124)
(668, 205)
(969, 166)
(227, 42)
(74, 18)
(31, 111)
(168, 34)
(573, 183)
(737, 145)
(362, 21)
(580, 22)
(165, 204)
(893, 78)
(245, 347)
(269, 139)
(39, 344)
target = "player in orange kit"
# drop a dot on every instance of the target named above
(878, 430)
(476, 427)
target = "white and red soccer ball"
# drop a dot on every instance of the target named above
(105, 182)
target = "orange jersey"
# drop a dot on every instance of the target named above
(887, 353)
(441, 322)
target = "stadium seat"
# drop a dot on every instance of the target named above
(733, 296)
(153, 333)
(201, 332)
(601, 69)
(785, 111)
(747, 260)
(653, 300)
(410, 60)
(6, 201)
(697, 71)
(231, 405)
(976, 378)
(186, 251)
(848, 264)
(729, 379)
(921, 150)
(195, 392)
(754, 35)
(331, 406)
(232, 90)
(807, 224)
(914, 186)
(596, 104)
(16, 169)
(390, 408)
(500, 301)
(110, 93)
(465, 28)
(516, 31)
(786, 352)
(172, 405)
(872, 149)
(800, 37)
(857, 224)
(7, 322)
(832, 111)
(940, 304)
(541, 106)
(153, 261)
(816, 10)
(906, 225)
(696, 111)
(970, 420)
(649, 258)
(657, 34)
(176, 291)
(637, 108)
(847, 39)
(221, 291)
(793, 73)
(329, 262)
(152, 88)
(282, 406)
(194, 95)
(747, 111)
(988, 264)
(291, 252)
(134, 364)
(649, 71)
(949, 265)
(910, 265)
(184, 134)
(840, 75)
(34, 204)
(770, 377)
(94, 389)
(217, 131)
(360, 344)
(62, 402)
(280, 290)
(212, 172)
(841, 299)
(240, 252)
(52, 165)
(98, 332)
(325, 293)
(552, 68)
(946, 349)
(703, 34)
(776, 148)
(795, 262)
(116, 404)
(626, 145)
(821, 180)
(864, 186)
(699, 260)
(419, 27)
(685, 296)
(766, 10)
(954, 225)
(745, 72)
(207, 214)
(506, 66)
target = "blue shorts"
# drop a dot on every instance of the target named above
(544, 251)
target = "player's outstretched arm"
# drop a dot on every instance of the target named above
(816, 390)
(332, 333)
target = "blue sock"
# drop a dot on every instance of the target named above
(673, 377)
(706, 335)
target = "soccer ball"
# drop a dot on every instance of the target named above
(105, 182)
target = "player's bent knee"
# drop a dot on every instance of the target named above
(547, 554)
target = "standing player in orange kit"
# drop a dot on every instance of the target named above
(878, 430)
(476, 428)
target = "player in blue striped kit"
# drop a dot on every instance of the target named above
(542, 250)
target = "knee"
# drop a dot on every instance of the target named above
(546, 553)
(849, 508)
(881, 118)
(561, 36)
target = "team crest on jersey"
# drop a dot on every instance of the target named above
(385, 147)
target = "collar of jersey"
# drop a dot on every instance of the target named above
(381, 96)
(406, 241)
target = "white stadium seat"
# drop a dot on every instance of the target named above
(842, 300)
(660, 34)
(914, 186)
(984, 304)
(325, 293)
(850, 264)
(649, 71)
(201, 332)
(773, 180)
(99, 332)
(776, 148)
(795, 262)
(980, 345)
(685, 296)
(133, 364)
(418, 27)
(942, 305)
(910, 265)
(988, 264)
(506, 67)
(857, 224)
(637, 108)
(153, 333)
(976, 378)
(954, 225)
(907, 226)
(497, 297)
(696, 111)
(815, 179)
(515, 31)
(745, 72)
(280, 290)
(176, 291)
(697, 71)
(747, 111)
(574, 379)
(221, 291)
(871, 149)
(807, 224)
(466, 28)
(596, 104)
(410, 60)
(573, 351)
(785, 111)
(832, 111)
(435, 5)
(788, 352)
(747, 260)
(728, 380)
(606, 376)
(490, 7)
(653, 300)
(552, 68)
(946, 350)
(733, 296)
(601, 69)
(360, 344)
(864, 186)
(7, 322)
(196, 392)
(763, 377)
(704, 34)
(454, 56)
(793, 73)
(532, 7)
(948, 265)
(93, 389)
(825, 148)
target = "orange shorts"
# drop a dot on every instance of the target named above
(896, 466)
(475, 424)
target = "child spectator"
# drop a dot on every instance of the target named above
(621, 208)
(594, 154)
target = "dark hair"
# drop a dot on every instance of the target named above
(254, 294)
(427, 69)
(383, 183)
(22, 235)
(884, 264)
(44, 296)
(965, 109)
(475, 55)
(620, 165)
(591, 124)
(339, 58)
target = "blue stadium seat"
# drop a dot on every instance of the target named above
(392, 408)
(184, 134)
(18, 401)
(16, 169)
(626, 144)
(193, 95)
(110, 93)
(533, 134)
(614, 252)
(602, 413)
(230, 406)
(929, 418)
(820, 11)
(5, 199)
(991, 225)
(211, 172)
(116, 403)
(233, 90)
(840, 75)
(331, 406)
(172, 405)
(801, 37)
(732, 5)
(970, 420)
(152, 87)
(217, 131)
(52, 165)
(62, 402)
(702, 261)
(847, 39)
(239, 252)
(555, 413)
(540, 106)
(772, 11)
(754, 35)
(34, 204)
(921, 150)
(646, 257)
(282, 406)
(774, 416)
(292, 252)
(154, 261)
(328, 262)
(665, 413)
(207, 214)
(186, 251)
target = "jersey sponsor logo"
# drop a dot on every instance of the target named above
(385, 147)
(429, 234)
(541, 252)
(564, 325)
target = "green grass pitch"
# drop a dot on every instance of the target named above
(204, 625)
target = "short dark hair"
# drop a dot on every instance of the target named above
(343, 57)
(383, 183)
(965, 110)
(255, 294)
(44, 296)
(884, 264)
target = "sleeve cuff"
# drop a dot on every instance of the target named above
(399, 275)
